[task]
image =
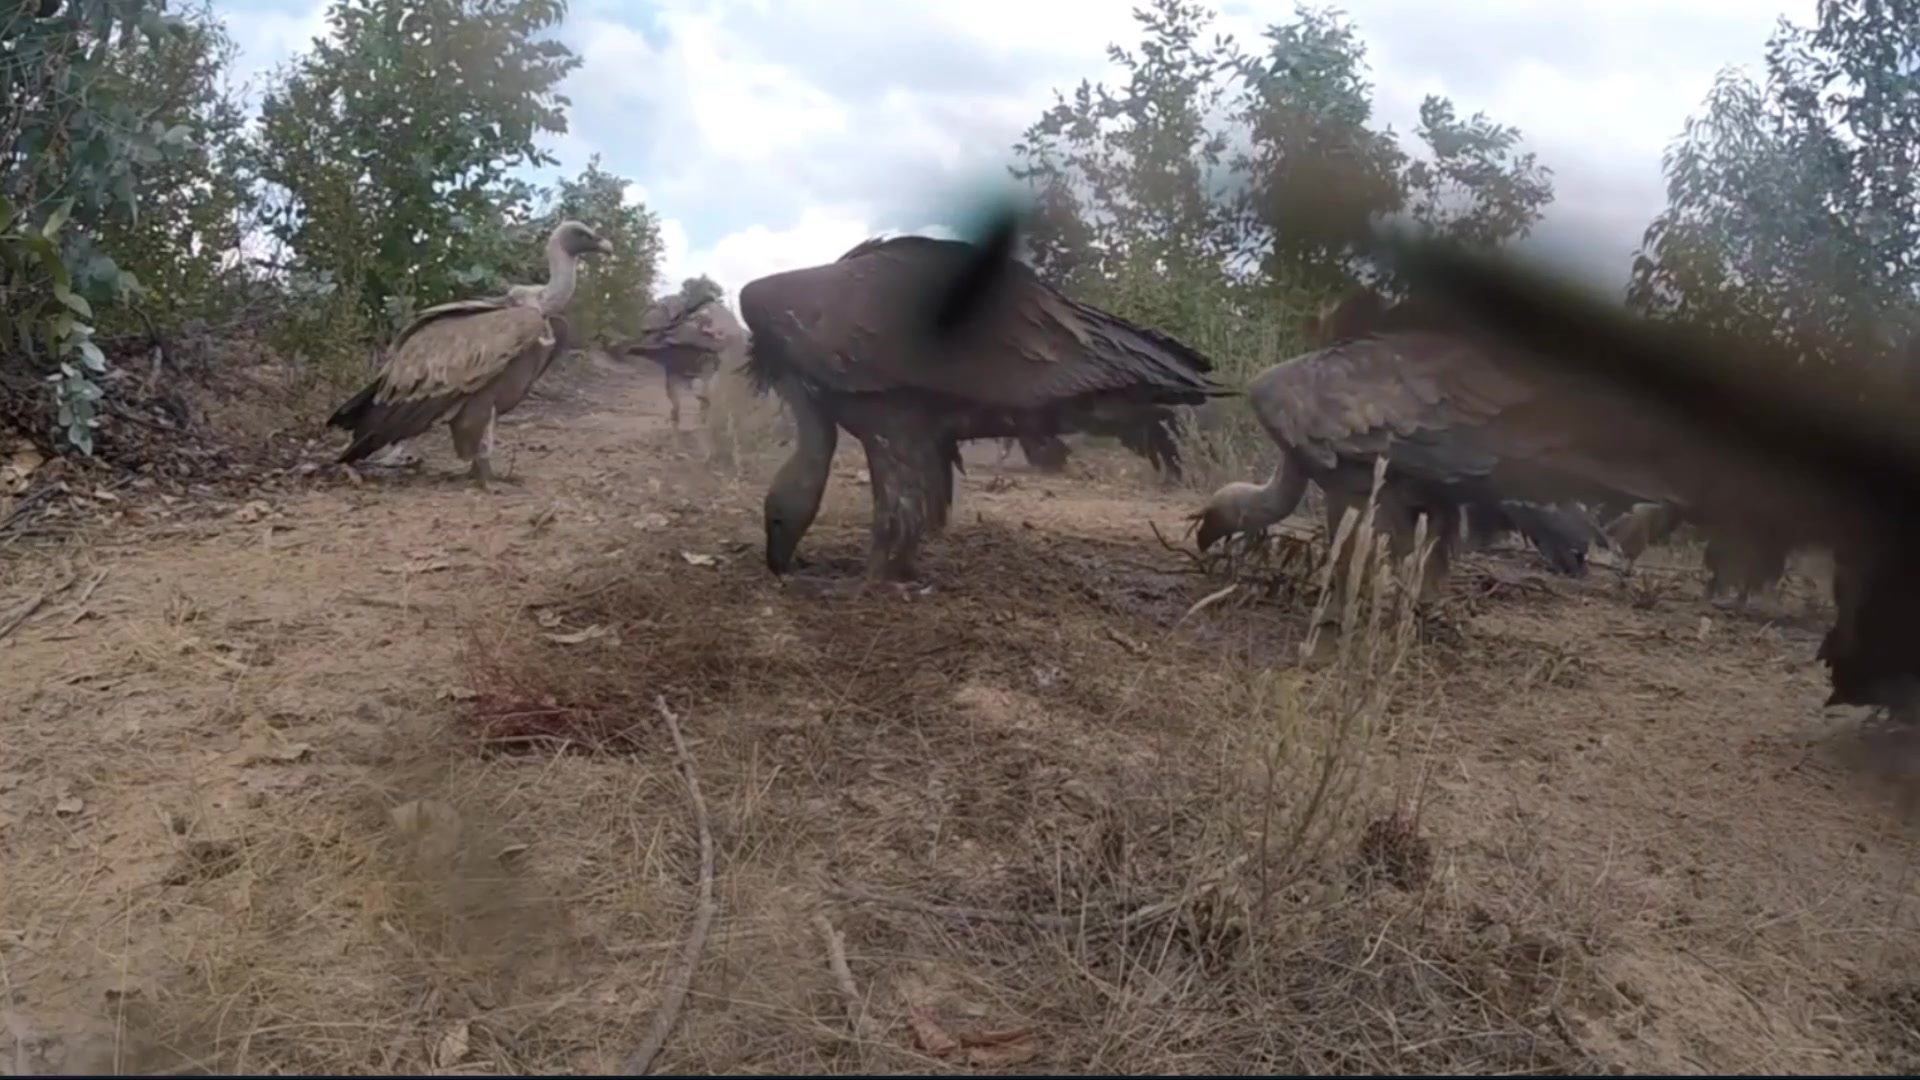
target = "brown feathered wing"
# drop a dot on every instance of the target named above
(852, 326)
(449, 352)
(1463, 413)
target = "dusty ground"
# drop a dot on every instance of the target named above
(372, 778)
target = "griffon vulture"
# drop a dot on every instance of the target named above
(845, 345)
(683, 338)
(1391, 382)
(470, 361)
(1554, 390)
(1746, 440)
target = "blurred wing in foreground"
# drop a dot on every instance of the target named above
(1747, 439)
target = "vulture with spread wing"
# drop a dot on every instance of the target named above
(470, 361)
(1389, 381)
(846, 345)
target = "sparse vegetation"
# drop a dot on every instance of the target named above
(305, 773)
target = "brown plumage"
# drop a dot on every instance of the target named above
(685, 338)
(1641, 527)
(1749, 441)
(1462, 438)
(1744, 565)
(846, 346)
(469, 361)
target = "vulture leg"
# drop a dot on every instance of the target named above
(703, 389)
(473, 438)
(912, 481)
(673, 400)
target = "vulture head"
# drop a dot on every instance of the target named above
(788, 512)
(576, 238)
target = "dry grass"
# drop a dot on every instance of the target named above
(311, 814)
(1047, 832)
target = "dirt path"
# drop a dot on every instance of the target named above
(203, 760)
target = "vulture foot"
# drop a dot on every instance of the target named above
(483, 477)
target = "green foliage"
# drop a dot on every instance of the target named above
(614, 290)
(194, 201)
(1791, 207)
(1315, 172)
(78, 132)
(695, 289)
(1251, 175)
(389, 146)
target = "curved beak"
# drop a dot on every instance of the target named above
(604, 246)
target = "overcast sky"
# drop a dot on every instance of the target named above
(769, 134)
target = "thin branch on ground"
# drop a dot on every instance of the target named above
(843, 975)
(681, 977)
(25, 609)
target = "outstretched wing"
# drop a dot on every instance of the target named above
(855, 325)
(447, 354)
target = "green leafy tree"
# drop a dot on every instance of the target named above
(1480, 188)
(700, 287)
(390, 147)
(193, 203)
(1316, 172)
(76, 136)
(1791, 208)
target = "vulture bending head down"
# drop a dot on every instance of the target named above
(863, 344)
(470, 361)
(1555, 390)
(1460, 436)
(1744, 439)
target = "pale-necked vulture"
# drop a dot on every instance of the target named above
(470, 361)
(1390, 383)
(1551, 389)
(679, 334)
(845, 345)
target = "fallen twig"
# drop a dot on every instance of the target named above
(25, 609)
(80, 603)
(842, 974)
(681, 978)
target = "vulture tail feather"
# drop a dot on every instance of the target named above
(347, 416)
(377, 426)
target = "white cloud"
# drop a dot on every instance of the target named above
(820, 235)
(769, 135)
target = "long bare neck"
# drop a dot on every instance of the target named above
(803, 478)
(1271, 502)
(562, 273)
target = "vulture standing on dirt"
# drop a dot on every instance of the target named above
(845, 346)
(1551, 389)
(680, 336)
(1391, 382)
(470, 361)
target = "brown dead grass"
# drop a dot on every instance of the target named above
(376, 784)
